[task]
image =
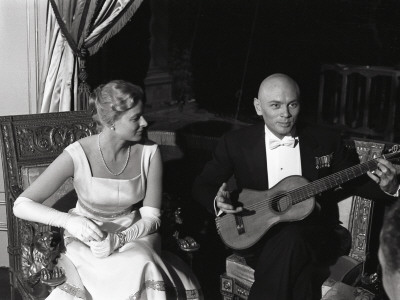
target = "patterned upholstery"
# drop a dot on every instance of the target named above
(29, 175)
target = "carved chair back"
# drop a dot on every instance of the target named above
(29, 144)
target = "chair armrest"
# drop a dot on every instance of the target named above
(40, 249)
(15, 191)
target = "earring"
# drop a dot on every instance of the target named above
(112, 127)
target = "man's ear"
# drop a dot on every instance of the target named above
(257, 106)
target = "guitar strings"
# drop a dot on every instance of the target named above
(305, 191)
(265, 204)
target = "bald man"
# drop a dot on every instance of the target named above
(288, 259)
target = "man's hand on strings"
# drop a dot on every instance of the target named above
(386, 175)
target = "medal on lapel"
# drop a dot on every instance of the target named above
(323, 161)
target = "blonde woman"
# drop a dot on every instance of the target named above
(112, 248)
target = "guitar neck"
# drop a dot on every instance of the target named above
(321, 185)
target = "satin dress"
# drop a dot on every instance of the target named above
(139, 269)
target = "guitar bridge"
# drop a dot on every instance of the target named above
(239, 224)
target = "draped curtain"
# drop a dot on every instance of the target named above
(75, 30)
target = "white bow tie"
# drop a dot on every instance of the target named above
(287, 141)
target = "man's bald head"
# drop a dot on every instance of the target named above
(277, 80)
(278, 103)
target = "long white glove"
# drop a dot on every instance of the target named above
(79, 227)
(148, 224)
(105, 247)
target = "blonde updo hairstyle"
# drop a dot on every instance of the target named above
(108, 102)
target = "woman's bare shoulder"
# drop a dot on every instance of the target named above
(89, 143)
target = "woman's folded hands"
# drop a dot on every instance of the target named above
(105, 247)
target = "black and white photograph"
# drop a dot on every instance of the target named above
(199, 150)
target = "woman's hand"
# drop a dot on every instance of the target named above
(105, 247)
(83, 229)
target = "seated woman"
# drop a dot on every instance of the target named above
(112, 248)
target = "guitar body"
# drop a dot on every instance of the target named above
(292, 199)
(262, 210)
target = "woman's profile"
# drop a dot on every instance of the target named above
(112, 248)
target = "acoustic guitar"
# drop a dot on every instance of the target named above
(291, 199)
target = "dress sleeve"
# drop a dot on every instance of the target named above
(78, 156)
(147, 156)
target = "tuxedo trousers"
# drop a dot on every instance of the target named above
(292, 260)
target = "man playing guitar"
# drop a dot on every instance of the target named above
(288, 255)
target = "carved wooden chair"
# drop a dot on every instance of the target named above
(359, 215)
(29, 144)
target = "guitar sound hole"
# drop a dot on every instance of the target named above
(280, 204)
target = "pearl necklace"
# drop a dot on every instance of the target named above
(104, 162)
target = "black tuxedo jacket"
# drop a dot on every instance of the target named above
(242, 154)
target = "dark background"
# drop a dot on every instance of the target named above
(220, 50)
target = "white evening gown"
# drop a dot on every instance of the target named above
(138, 270)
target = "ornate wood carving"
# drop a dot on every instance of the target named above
(30, 140)
(39, 251)
(361, 210)
(43, 140)
(8, 153)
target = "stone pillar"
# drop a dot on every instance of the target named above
(158, 83)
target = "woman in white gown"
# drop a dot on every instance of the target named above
(112, 248)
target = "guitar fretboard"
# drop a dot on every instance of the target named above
(321, 185)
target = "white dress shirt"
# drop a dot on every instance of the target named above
(282, 161)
